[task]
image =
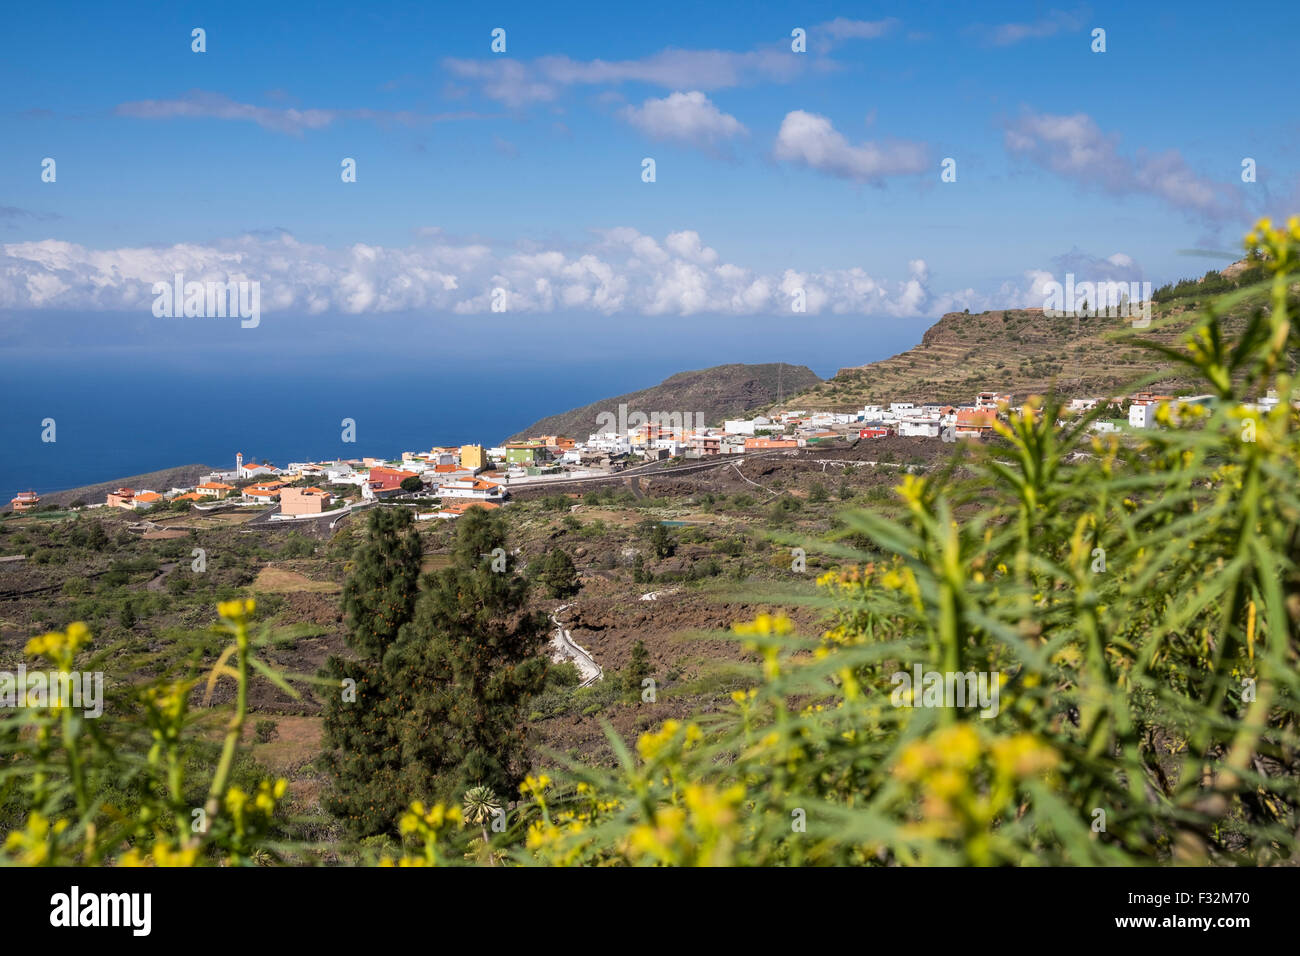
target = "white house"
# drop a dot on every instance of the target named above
(989, 401)
(917, 427)
(610, 443)
(1142, 414)
(475, 488)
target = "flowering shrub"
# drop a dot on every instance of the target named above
(1136, 601)
(53, 756)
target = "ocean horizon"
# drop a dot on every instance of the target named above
(114, 423)
(111, 420)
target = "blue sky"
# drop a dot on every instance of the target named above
(775, 170)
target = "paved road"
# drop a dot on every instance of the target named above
(655, 469)
(565, 647)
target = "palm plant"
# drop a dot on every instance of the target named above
(481, 804)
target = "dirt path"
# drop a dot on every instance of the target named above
(157, 581)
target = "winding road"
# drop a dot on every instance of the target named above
(566, 649)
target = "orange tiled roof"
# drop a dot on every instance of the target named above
(974, 417)
(464, 505)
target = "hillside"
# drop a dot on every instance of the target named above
(716, 393)
(1023, 352)
(182, 476)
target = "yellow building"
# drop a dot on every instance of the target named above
(473, 457)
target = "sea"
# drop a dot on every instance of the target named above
(115, 422)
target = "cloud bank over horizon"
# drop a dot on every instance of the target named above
(618, 271)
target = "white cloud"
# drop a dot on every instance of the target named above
(1031, 290)
(841, 29)
(810, 140)
(1053, 23)
(689, 118)
(618, 272)
(1075, 147)
(200, 104)
(519, 83)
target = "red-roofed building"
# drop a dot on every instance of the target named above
(475, 488)
(122, 498)
(214, 489)
(384, 482)
(261, 493)
(974, 423)
(25, 501)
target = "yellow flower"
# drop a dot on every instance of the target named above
(60, 646)
(946, 784)
(1023, 755)
(236, 801)
(535, 786)
(912, 490)
(958, 745)
(237, 610)
(916, 758)
(35, 844)
(767, 625)
(164, 855)
(650, 744)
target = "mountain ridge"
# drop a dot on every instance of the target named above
(714, 393)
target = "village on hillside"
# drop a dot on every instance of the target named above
(450, 480)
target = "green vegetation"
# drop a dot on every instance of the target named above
(444, 672)
(1135, 599)
(557, 575)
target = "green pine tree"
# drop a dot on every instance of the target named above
(363, 753)
(557, 574)
(637, 670)
(472, 657)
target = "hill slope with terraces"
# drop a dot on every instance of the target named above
(1024, 352)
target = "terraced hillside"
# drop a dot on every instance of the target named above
(1018, 351)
